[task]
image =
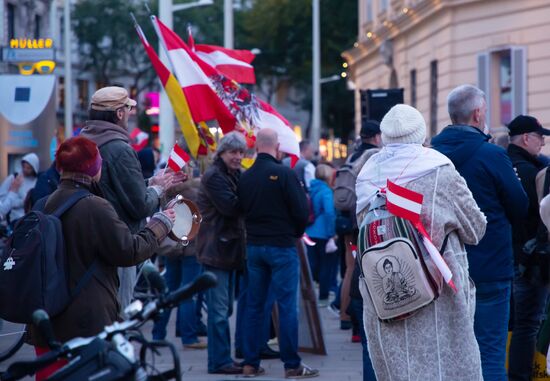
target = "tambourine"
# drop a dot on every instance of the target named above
(188, 219)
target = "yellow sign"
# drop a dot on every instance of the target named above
(42, 67)
(31, 43)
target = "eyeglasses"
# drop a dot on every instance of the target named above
(541, 137)
(42, 67)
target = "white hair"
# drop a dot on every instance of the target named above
(462, 101)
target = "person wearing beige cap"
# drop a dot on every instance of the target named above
(438, 341)
(122, 181)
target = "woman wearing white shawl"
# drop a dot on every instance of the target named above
(438, 342)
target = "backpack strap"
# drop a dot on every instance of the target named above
(73, 199)
(85, 279)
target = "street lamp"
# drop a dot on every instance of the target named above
(166, 114)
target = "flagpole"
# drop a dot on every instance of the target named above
(228, 24)
(315, 132)
(166, 113)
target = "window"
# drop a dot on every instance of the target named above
(61, 98)
(11, 21)
(83, 91)
(383, 5)
(433, 98)
(502, 76)
(37, 22)
(368, 10)
(62, 33)
(413, 87)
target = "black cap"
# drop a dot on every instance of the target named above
(369, 128)
(523, 124)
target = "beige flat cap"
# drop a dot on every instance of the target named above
(111, 98)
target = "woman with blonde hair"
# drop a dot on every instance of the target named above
(322, 263)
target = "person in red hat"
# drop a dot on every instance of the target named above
(93, 232)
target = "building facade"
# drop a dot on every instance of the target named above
(428, 47)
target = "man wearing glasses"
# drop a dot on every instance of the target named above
(122, 182)
(530, 285)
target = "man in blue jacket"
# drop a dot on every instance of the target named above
(497, 190)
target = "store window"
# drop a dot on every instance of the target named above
(502, 76)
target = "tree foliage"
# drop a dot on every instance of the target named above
(107, 41)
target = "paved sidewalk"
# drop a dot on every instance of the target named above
(342, 363)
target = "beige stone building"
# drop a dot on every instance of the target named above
(428, 47)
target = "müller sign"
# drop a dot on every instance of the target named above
(31, 43)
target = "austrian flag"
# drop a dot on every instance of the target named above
(407, 204)
(178, 158)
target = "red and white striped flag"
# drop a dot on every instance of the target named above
(232, 63)
(139, 139)
(407, 204)
(178, 158)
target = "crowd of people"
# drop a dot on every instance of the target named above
(480, 208)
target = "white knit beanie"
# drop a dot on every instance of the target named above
(403, 124)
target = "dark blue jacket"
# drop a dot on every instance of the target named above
(497, 190)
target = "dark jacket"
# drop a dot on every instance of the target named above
(488, 172)
(274, 203)
(221, 238)
(92, 230)
(527, 167)
(359, 151)
(121, 178)
(46, 184)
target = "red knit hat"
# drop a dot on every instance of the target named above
(78, 155)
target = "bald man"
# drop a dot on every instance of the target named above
(276, 214)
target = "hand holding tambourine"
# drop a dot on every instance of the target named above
(187, 219)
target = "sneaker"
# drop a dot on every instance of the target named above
(250, 371)
(303, 371)
(228, 369)
(334, 310)
(321, 303)
(345, 325)
(197, 345)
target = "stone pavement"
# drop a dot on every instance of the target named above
(343, 361)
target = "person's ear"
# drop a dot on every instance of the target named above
(120, 114)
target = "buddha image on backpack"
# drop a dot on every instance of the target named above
(396, 269)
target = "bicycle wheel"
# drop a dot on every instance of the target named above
(11, 338)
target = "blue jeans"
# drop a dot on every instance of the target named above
(278, 268)
(356, 307)
(491, 327)
(323, 266)
(179, 272)
(529, 307)
(219, 300)
(242, 309)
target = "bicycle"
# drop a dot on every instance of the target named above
(110, 355)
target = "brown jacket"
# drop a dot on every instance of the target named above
(221, 238)
(92, 230)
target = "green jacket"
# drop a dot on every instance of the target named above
(121, 181)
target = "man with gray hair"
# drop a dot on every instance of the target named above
(276, 211)
(497, 190)
(221, 246)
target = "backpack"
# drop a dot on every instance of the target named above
(34, 266)
(396, 269)
(345, 199)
